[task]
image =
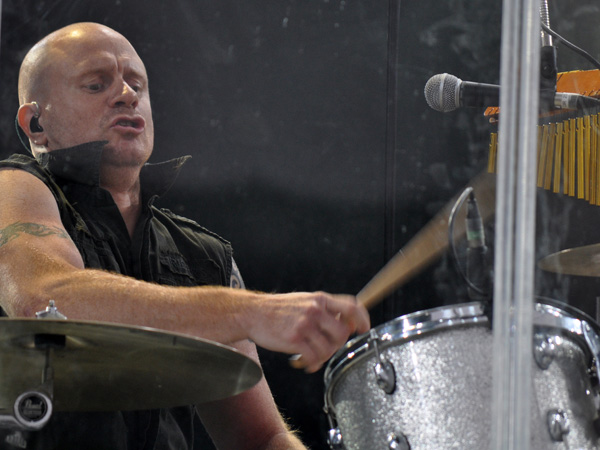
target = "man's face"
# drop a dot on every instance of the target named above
(97, 90)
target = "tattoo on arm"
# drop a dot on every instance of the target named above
(16, 229)
(236, 277)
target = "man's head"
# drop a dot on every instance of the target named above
(85, 83)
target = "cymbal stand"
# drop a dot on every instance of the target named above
(32, 409)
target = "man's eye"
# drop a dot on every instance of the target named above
(94, 87)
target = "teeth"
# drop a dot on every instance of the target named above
(125, 123)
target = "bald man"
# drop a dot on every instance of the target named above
(78, 225)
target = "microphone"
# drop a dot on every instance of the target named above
(478, 277)
(445, 93)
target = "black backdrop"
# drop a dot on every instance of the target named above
(314, 151)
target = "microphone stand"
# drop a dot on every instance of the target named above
(548, 65)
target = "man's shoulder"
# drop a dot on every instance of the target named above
(18, 158)
(26, 163)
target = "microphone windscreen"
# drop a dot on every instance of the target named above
(442, 92)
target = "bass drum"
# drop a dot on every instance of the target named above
(424, 382)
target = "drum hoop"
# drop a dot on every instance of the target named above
(418, 324)
(404, 327)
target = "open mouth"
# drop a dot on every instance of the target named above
(132, 124)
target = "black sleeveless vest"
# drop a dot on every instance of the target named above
(165, 249)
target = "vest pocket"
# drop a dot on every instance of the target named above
(175, 270)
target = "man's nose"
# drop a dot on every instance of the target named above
(126, 96)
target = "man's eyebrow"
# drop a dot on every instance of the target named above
(102, 66)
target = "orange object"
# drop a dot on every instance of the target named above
(568, 146)
(583, 82)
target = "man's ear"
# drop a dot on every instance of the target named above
(28, 118)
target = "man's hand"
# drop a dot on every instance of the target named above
(314, 325)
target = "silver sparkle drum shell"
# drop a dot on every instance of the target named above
(442, 359)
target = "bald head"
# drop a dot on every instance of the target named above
(39, 61)
(86, 83)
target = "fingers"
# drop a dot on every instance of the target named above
(317, 350)
(339, 318)
(318, 346)
(346, 310)
(314, 325)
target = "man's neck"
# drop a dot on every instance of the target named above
(124, 186)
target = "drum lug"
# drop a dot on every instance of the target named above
(334, 438)
(558, 424)
(397, 442)
(386, 376)
(544, 350)
(384, 370)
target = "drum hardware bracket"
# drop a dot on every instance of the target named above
(397, 442)
(544, 350)
(33, 409)
(593, 342)
(16, 439)
(558, 424)
(51, 312)
(384, 370)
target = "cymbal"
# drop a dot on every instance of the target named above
(584, 261)
(100, 366)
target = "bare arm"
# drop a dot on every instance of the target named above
(249, 420)
(39, 262)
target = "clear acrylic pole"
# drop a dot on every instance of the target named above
(515, 225)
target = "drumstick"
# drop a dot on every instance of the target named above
(428, 244)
